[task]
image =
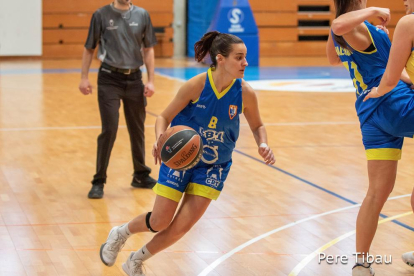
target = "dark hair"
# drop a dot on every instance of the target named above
(341, 7)
(215, 43)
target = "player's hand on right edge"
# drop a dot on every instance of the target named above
(85, 87)
(383, 14)
(372, 94)
(267, 154)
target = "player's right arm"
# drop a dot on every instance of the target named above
(347, 22)
(189, 92)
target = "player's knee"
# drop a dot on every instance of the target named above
(158, 223)
(378, 197)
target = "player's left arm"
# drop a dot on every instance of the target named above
(251, 112)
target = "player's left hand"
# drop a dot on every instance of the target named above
(373, 94)
(149, 89)
(267, 154)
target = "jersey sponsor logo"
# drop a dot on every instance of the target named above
(201, 106)
(212, 135)
(111, 25)
(133, 24)
(178, 176)
(210, 154)
(214, 175)
(232, 111)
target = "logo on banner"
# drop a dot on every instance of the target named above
(236, 16)
(232, 111)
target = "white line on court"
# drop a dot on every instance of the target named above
(220, 260)
(298, 268)
(123, 126)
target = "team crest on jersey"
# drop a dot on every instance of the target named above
(232, 111)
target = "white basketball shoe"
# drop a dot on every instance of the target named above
(133, 267)
(408, 258)
(363, 270)
(112, 246)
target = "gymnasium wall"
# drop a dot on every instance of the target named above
(21, 28)
(66, 22)
(301, 27)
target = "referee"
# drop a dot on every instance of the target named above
(126, 39)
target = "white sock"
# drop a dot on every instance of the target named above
(143, 254)
(124, 230)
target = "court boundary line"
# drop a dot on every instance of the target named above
(223, 258)
(302, 264)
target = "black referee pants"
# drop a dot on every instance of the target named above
(112, 88)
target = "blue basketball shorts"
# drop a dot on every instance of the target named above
(384, 131)
(202, 180)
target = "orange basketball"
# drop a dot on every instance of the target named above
(181, 148)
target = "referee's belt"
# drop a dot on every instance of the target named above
(120, 70)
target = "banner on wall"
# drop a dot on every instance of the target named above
(236, 17)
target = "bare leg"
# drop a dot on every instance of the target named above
(162, 214)
(382, 174)
(191, 210)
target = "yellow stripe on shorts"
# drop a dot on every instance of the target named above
(383, 154)
(202, 190)
(167, 192)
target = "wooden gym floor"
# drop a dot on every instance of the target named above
(267, 221)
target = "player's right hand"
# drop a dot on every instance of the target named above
(85, 87)
(383, 14)
(156, 154)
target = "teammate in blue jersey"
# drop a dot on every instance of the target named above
(401, 57)
(210, 103)
(364, 50)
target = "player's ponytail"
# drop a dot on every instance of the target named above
(341, 7)
(215, 43)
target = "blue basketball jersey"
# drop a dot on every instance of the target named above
(215, 116)
(366, 69)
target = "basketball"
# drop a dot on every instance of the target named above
(181, 148)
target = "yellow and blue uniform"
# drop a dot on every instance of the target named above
(386, 120)
(215, 116)
(410, 65)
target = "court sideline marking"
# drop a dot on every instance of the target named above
(298, 268)
(217, 262)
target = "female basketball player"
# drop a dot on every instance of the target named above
(211, 104)
(402, 55)
(364, 50)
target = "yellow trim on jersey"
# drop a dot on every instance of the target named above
(167, 192)
(202, 190)
(410, 66)
(195, 101)
(372, 40)
(383, 154)
(224, 92)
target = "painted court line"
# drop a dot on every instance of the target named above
(123, 126)
(305, 261)
(220, 260)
